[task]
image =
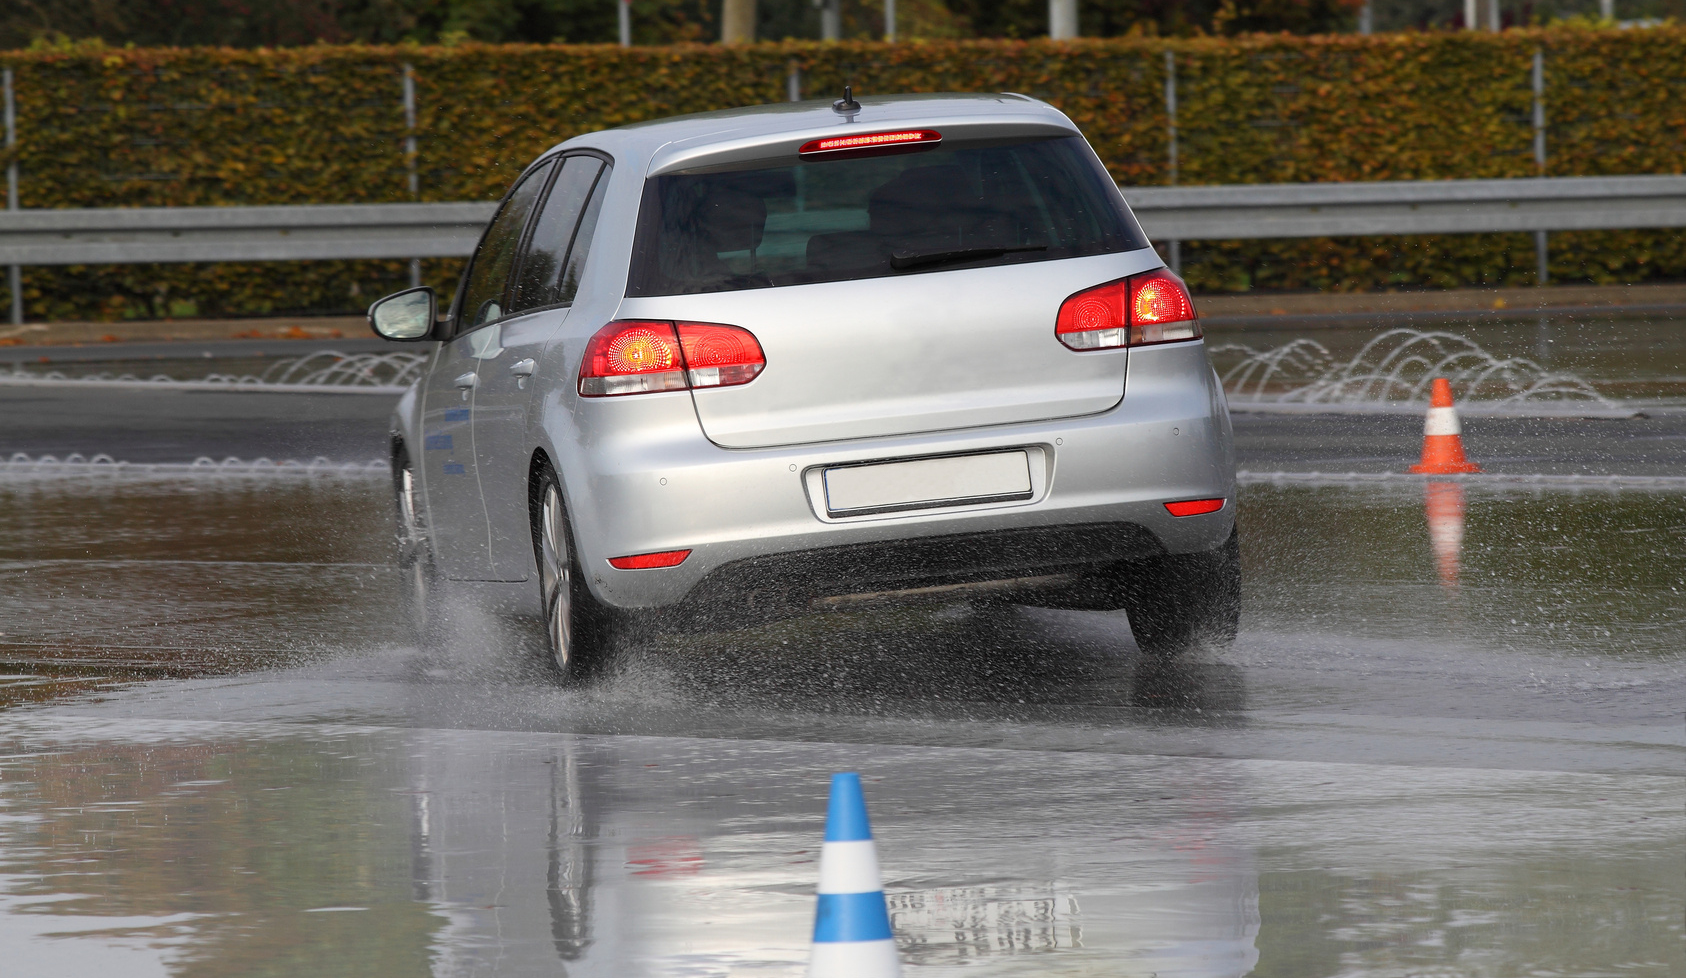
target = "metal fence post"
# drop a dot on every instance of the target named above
(793, 81)
(890, 21)
(737, 21)
(831, 19)
(1367, 18)
(15, 272)
(1174, 246)
(410, 156)
(1542, 253)
(623, 15)
(1062, 19)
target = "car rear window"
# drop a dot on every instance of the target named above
(964, 206)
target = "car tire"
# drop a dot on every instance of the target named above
(1178, 601)
(580, 633)
(419, 586)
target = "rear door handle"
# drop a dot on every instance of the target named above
(523, 368)
(466, 381)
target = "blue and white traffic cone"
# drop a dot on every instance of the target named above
(852, 924)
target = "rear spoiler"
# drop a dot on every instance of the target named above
(703, 154)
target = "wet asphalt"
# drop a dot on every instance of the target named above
(1428, 752)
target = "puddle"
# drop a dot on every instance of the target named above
(210, 570)
(1493, 565)
(203, 848)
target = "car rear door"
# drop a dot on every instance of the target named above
(457, 520)
(898, 356)
(540, 294)
(892, 294)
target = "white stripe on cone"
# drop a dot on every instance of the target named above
(849, 867)
(855, 959)
(1442, 421)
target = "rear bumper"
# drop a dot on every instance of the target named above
(1027, 563)
(749, 518)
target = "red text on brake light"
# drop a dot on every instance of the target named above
(866, 142)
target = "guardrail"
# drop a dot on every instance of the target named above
(125, 235)
(336, 231)
(1317, 210)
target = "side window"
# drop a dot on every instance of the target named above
(483, 296)
(547, 249)
(582, 241)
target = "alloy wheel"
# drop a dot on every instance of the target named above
(556, 567)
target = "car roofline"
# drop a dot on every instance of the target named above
(724, 137)
(775, 149)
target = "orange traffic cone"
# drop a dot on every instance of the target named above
(1443, 442)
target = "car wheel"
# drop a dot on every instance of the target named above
(579, 632)
(1179, 601)
(415, 553)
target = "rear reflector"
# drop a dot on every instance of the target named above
(870, 142)
(1195, 507)
(667, 558)
(1153, 307)
(641, 357)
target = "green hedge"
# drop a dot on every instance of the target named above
(161, 127)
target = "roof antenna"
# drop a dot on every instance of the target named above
(847, 104)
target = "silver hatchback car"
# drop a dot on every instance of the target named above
(726, 368)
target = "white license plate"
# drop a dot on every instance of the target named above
(927, 483)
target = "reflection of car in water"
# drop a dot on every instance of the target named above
(511, 872)
(575, 856)
(709, 370)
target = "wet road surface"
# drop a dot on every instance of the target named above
(1448, 740)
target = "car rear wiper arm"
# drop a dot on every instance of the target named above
(903, 260)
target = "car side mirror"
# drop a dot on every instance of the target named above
(405, 316)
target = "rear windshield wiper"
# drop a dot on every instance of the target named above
(903, 260)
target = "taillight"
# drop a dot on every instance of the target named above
(632, 358)
(640, 357)
(720, 356)
(1153, 307)
(1161, 310)
(1096, 319)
